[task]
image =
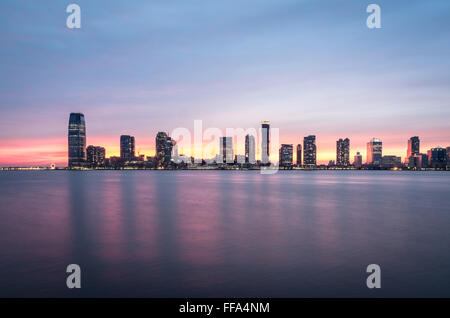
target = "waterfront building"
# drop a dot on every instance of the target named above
(418, 161)
(357, 160)
(265, 142)
(95, 156)
(299, 155)
(286, 158)
(343, 152)
(127, 147)
(309, 151)
(250, 149)
(437, 158)
(413, 147)
(77, 140)
(389, 162)
(374, 152)
(164, 146)
(226, 150)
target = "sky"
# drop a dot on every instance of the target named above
(139, 67)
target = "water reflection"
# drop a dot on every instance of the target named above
(224, 233)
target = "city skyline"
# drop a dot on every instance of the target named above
(168, 155)
(162, 66)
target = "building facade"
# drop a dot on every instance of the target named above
(343, 152)
(309, 151)
(286, 155)
(226, 149)
(164, 147)
(95, 156)
(265, 142)
(77, 140)
(413, 147)
(357, 160)
(437, 158)
(250, 149)
(127, 147)
(299, 155)
(374, 152)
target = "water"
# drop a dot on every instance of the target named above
(224, 233)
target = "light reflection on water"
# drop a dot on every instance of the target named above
(224, 233)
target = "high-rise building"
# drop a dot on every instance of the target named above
(164, 146)
(374, 152)
(309, 151)
(77, 140)
(95, 156)
(437, 158)
(127, 147)
(299, 155)
(265, 142)
(250, 149)
(226, 149)
(357, 160)
(413, 147)
(343, 152)
(286, 155)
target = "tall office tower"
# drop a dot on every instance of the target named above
(77, 140)
(413, 147)
(127, 147)
(374, 152)
(265, 142)
(250, 149)
(437, 158)
(95, 156)
(299, 155)
(164, 146)
(309, 151)
(357, 161)
(343, 152)
(226, 149)
(286, 155)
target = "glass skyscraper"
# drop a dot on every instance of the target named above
(374, 151)
(309, 151)
(265, 142)
(77, 140)
(127, 147)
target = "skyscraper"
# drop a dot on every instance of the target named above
(286, 155)
(95, 156)
(309, 151)
(250, 149)
(77, 140)
(343, 152)
(357, 161)
(226, 149)
(127, 147)
(413, 147)
(164, 145)
(374, 152)
(299, 155)
(265, 142)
